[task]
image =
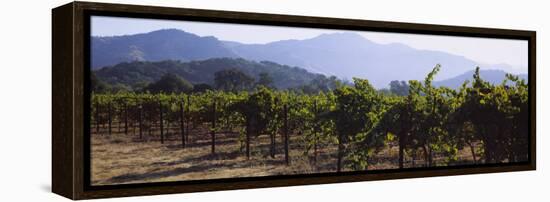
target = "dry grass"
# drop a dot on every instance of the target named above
(122, 159)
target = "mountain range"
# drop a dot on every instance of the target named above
(492, 76)
(344, 55)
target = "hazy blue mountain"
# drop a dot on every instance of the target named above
(492, 76)
(168, 44)
(345, 55)
(138, 73)
(348, 55)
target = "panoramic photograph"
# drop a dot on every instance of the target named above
(176, 100)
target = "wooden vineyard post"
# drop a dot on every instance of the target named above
(188, 119)
(161, 123)
(213, 131)
(119, 117)
(473, 150)
(401, 149)
(182, 125)
(340, 152)
(248, 138)
(109, 110)
(272, 134)
(405, 122)
(125, 118)
(140, 119)
(97, 117)
(285, 131)
(315, 132)
(272, 145)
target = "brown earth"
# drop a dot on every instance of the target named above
(123, 159)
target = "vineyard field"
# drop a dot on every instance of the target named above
(234, 131)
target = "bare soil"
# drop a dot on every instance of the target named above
(122, 159)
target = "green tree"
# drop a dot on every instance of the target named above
(201, 88)
(97, 85)
(232, 80)
(265, 80)
(170, 83)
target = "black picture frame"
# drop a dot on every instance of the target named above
(71, 99)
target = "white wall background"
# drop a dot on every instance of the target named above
(25, 102)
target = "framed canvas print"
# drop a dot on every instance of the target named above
(155, 100)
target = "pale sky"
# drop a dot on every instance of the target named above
(481, 50)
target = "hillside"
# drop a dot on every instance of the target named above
(134, 74)
(168, 44)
